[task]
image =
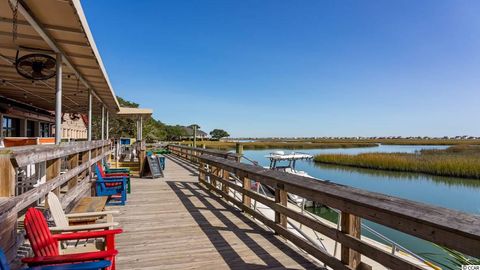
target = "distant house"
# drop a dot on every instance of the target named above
(189, 133)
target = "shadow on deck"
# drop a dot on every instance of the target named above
(174, 223)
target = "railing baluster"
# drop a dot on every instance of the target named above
(282, 199)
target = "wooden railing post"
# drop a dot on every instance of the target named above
(281, 198)
(239, 151)
(7, 176)
(226, 177)
(53, 170)
(72, 163)
(201, 174)
(83, 157)
(246, 185)
(213, 181)
(350, 225)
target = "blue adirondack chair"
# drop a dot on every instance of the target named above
(76, 266)
(113, 187)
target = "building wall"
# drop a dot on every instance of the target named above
(73, 127)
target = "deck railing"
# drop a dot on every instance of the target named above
(453, 229)
(28, 173)
(192, 153)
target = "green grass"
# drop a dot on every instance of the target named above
(279, 144)
(457, 161)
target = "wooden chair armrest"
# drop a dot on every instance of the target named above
(90, 214)
(76, 228)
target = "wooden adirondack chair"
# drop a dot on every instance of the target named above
(45, 245)
(62, 223)
(113, 187)
(114, 175)
(77, 266)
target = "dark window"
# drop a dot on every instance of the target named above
(10, 127)
(44, 130)
(31, 128)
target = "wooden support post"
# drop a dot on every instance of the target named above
(201, 174)
(246, 185)
(239, 151)
(72, 163)
(7, 176)
(142, 153)
(53, 170)
(282, 199)
(350, 225)
(214, 171)
(226, 177)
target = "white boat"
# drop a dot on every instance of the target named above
(279, 161)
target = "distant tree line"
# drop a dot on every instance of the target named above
(153, 129)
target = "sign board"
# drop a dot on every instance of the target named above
(153, 166)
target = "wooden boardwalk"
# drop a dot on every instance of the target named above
(174, 223)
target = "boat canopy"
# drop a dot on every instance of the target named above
(280, 155)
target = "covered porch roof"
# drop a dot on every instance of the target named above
(134, 113)
(52, 27)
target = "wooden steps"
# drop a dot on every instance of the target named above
(134, 167)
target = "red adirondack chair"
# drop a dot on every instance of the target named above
(45, 245)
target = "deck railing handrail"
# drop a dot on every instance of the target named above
(446, 227)
(66, 167)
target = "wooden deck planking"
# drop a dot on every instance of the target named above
(173, 223)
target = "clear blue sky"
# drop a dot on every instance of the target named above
(297, 68)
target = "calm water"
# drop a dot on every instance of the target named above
(456, 193)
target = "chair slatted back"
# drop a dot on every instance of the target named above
(57, 211)
(100, 169)
(39, 235)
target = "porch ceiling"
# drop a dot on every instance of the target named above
(65, 25)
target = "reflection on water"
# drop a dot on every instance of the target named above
(402, 176)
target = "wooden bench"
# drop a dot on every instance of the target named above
(88, 204)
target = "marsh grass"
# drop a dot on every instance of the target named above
(457, 161)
